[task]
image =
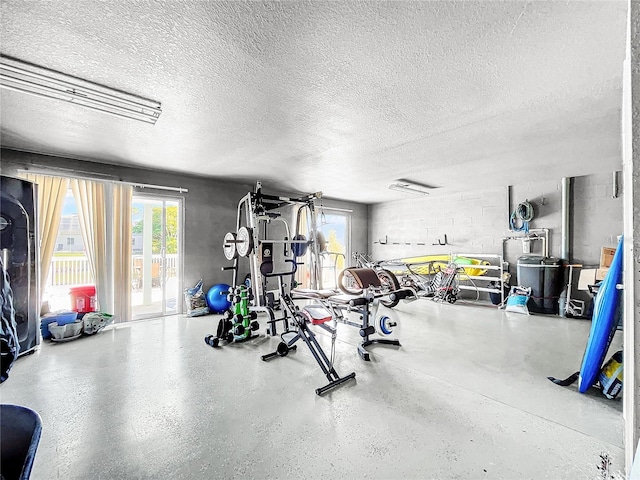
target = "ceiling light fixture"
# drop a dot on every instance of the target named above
(410, 187)
(34, 80)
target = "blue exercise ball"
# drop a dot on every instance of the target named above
(217, 298)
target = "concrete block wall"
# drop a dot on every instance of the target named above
(410, 227)
(477, 221)
(597, 216)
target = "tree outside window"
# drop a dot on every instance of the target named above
(171, 229)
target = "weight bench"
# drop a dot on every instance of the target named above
(299, 319)
(304, 333)
(331, 305)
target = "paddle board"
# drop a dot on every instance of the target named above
(603, 323)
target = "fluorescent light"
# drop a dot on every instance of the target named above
(34, 80)
(410, 187)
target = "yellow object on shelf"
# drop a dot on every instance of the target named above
(430, 264)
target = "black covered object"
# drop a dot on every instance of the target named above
(19, 251)
(20, 430)
(545, 277)
(9, 345)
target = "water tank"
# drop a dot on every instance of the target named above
(545, 276)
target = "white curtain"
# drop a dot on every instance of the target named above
(51, 193)
(90, 201)
(122, 239)
(104, 213)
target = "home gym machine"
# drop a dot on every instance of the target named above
(272, 258)
(256, 221)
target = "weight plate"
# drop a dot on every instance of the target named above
(298, 247)
(245, 241)
(229, 246)
(384, 323)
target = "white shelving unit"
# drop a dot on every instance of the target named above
(495, 273)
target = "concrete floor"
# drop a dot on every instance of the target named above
(466, 396)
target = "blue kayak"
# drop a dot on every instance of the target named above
(603, 323)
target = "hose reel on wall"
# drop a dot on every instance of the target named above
(523, 213)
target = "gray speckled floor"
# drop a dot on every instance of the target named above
(466, 396)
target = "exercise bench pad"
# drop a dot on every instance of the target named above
(365, 277)
(317, 314)
(310, 293)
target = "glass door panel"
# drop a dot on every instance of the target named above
(335, 229)
(156, 256)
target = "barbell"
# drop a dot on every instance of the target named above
(241, 243)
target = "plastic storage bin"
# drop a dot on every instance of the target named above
(61, 318)
(545, 277)
(83, 298)
(65, 332)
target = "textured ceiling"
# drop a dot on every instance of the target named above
(343, 97)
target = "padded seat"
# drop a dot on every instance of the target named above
(310, 293)
(317, 314)
(365, 277)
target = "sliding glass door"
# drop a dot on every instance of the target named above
(156, 256)
(336, 229)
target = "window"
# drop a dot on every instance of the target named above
(335, 227)
(70, 241)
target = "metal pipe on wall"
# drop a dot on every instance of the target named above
(566, 189)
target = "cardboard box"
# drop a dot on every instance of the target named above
(606, 256)
(601, 273)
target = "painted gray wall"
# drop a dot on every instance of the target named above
(209, 208)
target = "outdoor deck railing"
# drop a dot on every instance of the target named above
(68, 270)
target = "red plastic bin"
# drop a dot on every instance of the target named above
(83, 298)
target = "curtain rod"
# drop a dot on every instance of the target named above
(91, 176)
(334, 209)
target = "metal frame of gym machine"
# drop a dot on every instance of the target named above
(246, 241)
(257, 209)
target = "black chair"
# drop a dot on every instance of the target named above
(20, 430)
